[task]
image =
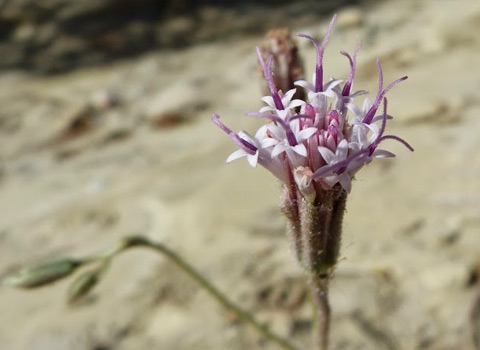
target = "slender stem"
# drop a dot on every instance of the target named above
(321, 224)
(320, 296)
(138, 241)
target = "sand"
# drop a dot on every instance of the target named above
(94, 155)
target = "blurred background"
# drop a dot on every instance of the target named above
(105, 132)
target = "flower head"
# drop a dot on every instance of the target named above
(324, 140)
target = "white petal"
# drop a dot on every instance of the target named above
(252, 159)
(266, 109)
(268, 100)
(380, 117)
(355, 146)
(358, 93)
(283, 113)
(288, 96)
(261, 132)
(361, 134)
(381, 153)
(346, 182)
(296, 103)
(305, 84)
(246, 136)
(328, 93)
(278, 132)
(327, 154)
(330, 180)
(239, 153)
(355, 110)
(342, 150)
(300, 149)
(279, 148)
(374, 129)
(268, 142)
(331, 84)
(305, 134)
(367, 105)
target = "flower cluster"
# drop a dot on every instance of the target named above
(312, 143)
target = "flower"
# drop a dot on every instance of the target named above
(286, 102)
(314, 144)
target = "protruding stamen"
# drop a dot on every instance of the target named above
(396, 138)
(299, 116)
(267, 73)
(392, 84)
(245, 145)
(375, 143)
(337, 166)
(320, 50)
(217, 122)
(384, 119)
(381, 93)
(353, 66)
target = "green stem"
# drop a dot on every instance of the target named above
(139, 241)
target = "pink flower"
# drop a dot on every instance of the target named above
(316, 141)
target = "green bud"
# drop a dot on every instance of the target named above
(42, 274)
(83, 284)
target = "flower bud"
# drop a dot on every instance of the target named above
(303, 179)
(84, 284)
(42, 274)
(288, 65)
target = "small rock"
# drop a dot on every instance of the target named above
(474, 276)
(103, 100)
(167, 120)
(413, 227)
(78, 124)
(451, 231)
(24, 33)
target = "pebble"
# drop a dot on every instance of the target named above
(24, 32)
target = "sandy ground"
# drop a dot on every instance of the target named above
(78, 171)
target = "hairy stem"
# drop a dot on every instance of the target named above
(321, 229)
(319, 286)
